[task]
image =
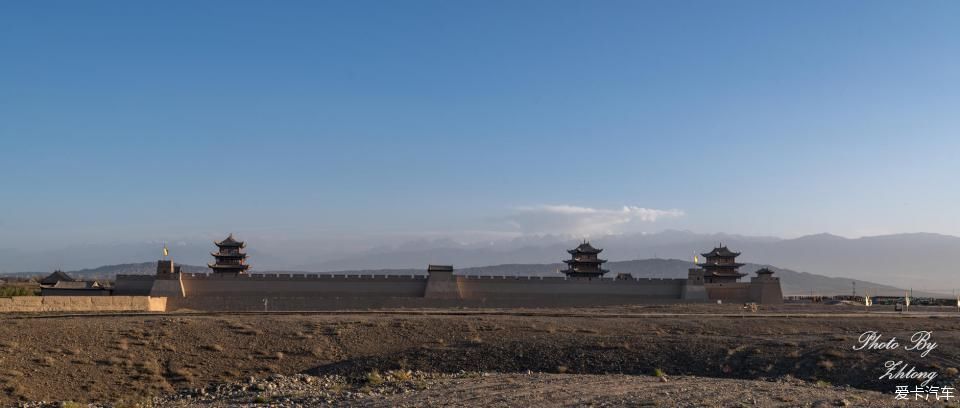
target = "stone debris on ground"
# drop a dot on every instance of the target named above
(402, 388)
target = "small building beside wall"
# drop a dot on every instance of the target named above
(75, 288)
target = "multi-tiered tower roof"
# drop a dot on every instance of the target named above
(721, 266)
(231, 260)
(584, 263)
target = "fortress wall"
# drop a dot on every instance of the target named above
(133, 285)
(554, 288)
(83, 304)
(729, 292)
(273, 285)
(766, 291)
(290, 303)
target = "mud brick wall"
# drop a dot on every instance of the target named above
(83, 304)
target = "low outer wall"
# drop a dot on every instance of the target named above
(83, 304)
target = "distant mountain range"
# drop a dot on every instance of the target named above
(793, 283)
(921, 261)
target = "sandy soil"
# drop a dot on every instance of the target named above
(129, 359)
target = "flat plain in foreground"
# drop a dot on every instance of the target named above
(573, 357)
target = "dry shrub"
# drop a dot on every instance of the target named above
(951, 372)
(825, 364)
(214, 347)
(114, 361)
(562, 369)
(475, 341)
(123, 344)
(148, 367)
(400, 375)
(278, 355)
(302, 336)
(12, 373)
(181, 372)
(374, 377)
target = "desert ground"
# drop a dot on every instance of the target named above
(702, 355)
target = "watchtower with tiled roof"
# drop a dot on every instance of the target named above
(721, 266)
(230, 259)
(584, 263)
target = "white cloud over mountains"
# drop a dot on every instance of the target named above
(583, 221)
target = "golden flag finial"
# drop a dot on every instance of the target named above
(166, 252)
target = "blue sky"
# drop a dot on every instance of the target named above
(294, 120)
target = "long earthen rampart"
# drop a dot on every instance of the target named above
(83, 304)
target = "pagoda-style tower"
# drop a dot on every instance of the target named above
(230, 258)
(721, 266)
(583, 262)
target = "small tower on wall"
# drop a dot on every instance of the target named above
(721, 266)
(584, 263)
(230, 259)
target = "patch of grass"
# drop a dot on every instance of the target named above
(10, 291)
(562, 369)
(657, 372)
(261, 399)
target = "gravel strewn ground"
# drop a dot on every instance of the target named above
(417, 389)
(126, 360)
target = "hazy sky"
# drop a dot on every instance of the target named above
(157, 120)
